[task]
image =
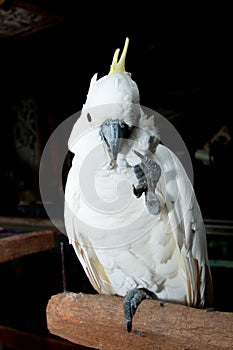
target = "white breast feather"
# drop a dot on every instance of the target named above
(170, 258)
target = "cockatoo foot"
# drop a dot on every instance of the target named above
(148, 174)
(132, 301)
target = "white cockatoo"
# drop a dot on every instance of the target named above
(130, 210)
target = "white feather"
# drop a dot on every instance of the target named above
(131, 248)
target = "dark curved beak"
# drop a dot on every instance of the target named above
(112, 133)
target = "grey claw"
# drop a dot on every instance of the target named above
(139, 155)
(148, 174)
(138, 190)
(153, 167)
(129, 326)
(152, 203)
(131, 302)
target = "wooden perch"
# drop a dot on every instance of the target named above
(97, 321)
(24, 244)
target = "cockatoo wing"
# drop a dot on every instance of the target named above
(181, 225)
(186, 222)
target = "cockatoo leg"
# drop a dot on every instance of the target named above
(148, 174)
(131, 302)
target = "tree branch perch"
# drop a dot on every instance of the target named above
(97, 321)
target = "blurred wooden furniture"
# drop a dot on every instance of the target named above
(19, 340)
(15, 247)
(28, 243)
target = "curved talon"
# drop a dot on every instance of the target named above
(132, 300)
(139, 155)
(138, 190)
(146, 160)
(152, 166)
(129, 326)
(128, 313)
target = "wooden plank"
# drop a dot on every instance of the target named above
(97, 321)
(33, 224)
(19, 340)
(26, 243)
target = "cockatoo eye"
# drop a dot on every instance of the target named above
(112, 133)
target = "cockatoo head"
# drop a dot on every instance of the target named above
(112, 106)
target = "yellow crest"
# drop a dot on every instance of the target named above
(119, 66)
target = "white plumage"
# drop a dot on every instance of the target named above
(120, 244)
